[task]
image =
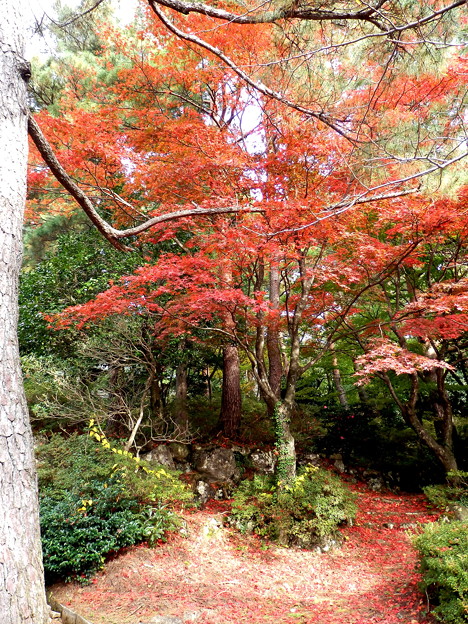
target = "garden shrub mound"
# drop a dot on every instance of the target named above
(306, 514)
(95, 499)
(443, 551)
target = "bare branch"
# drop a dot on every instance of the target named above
(75, 18)
(297, 10)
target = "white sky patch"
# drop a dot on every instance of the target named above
(41, 12)
(251, 127)
(250, 124)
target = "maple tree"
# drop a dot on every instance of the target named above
(380, 153)
(181, 142)
(411, 321)
(331, 277)
(353, 112)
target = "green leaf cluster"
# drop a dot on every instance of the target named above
(77, 267)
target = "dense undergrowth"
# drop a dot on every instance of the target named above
(306, 514)
(443, 551)
(96, 499)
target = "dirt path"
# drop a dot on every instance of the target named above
(215, 576)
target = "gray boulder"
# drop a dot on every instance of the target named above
(263, 461)
(203, 491)
(160, 455)
(218, 464)
(179, 451)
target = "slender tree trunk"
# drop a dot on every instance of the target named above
(118, 422)
(22, 593)
(442, 409)
(337, 382)
(362, 394)
(285, 446)
(181, 413)
(275, 366)
(361, 390)
(209, 391)
(156, 398)
(231, 399)
(443, 452)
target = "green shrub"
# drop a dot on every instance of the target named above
(78, 533)
(445, 496)
(443, 554)
(95, 500)
(75, 463)
(306, 514)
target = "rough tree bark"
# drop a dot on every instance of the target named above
(22, 593)
(181, 417)
(231, 398)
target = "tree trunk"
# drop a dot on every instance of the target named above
(285, 446)
(337, 381)
(181, 413)
(361, 390)
(22, 593)
(156, 398)
(275, 366)
(443, 452)
(442, 409)
(231, 399)
(209, 390)
(118, 422)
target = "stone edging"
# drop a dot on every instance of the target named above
(68, 616)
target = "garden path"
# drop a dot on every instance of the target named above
(216, 576)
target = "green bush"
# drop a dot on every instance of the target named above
(78, 533)
(306, 514)
(75, 463)
(443, 554)
(446, 496)
(95, 500)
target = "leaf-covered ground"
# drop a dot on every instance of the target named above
(214, 575)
